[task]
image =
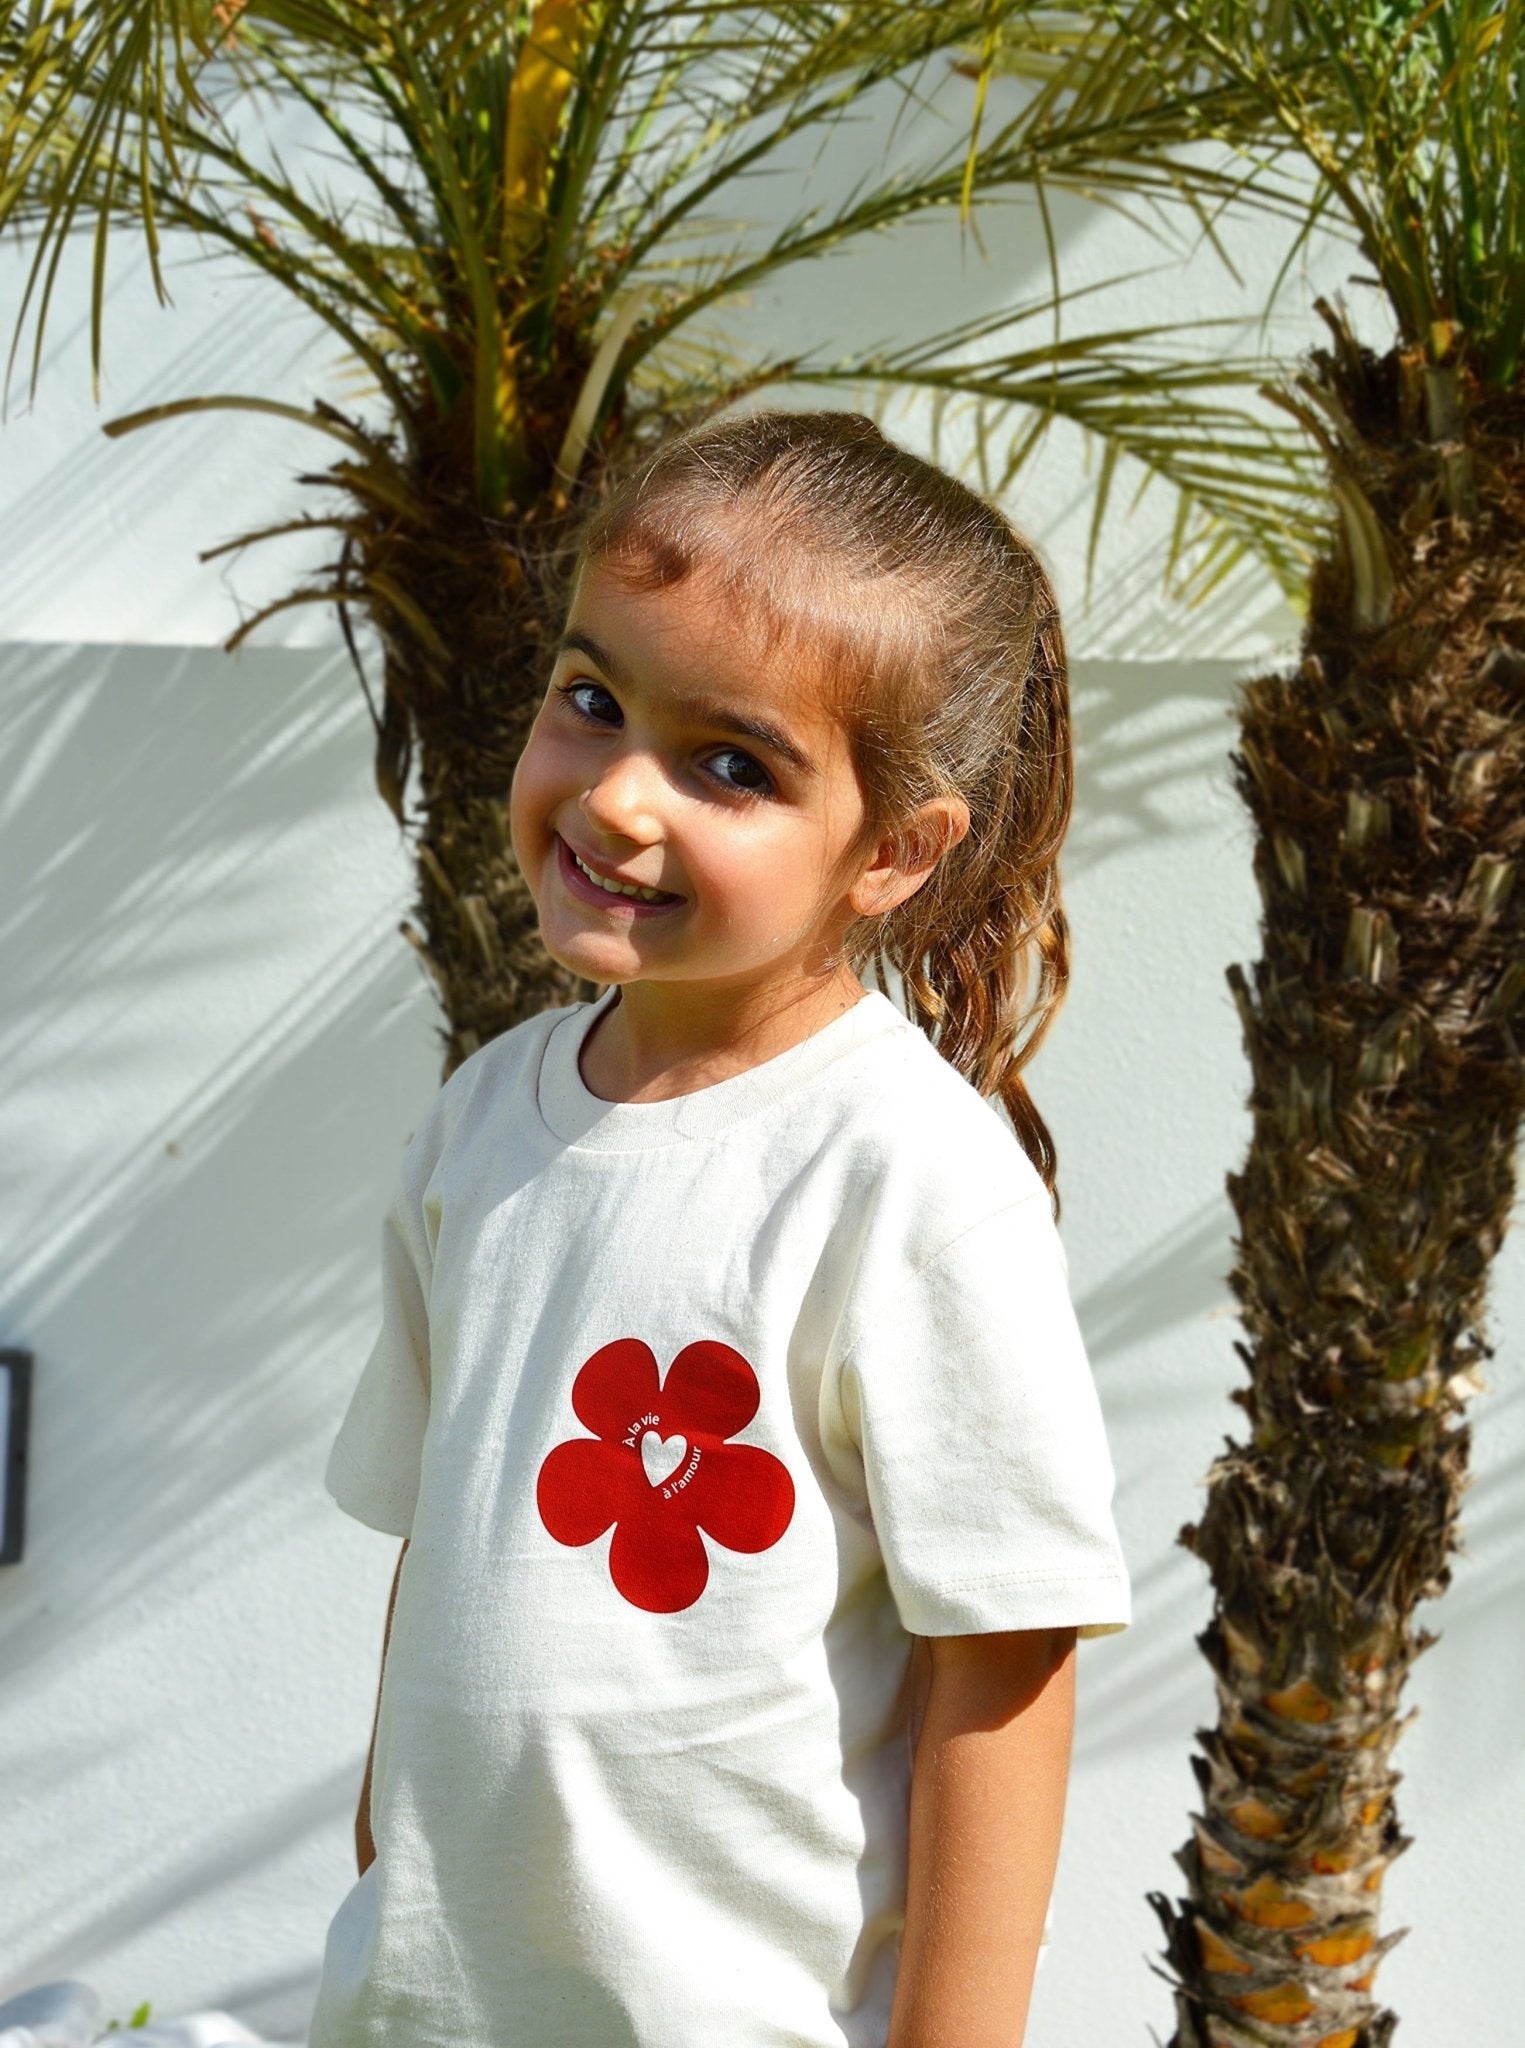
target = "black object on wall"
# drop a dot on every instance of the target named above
(15, 1419)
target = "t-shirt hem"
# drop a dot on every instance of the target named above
(1095, 1604)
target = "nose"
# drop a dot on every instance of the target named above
(624, 800)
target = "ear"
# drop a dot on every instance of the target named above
(901, 863)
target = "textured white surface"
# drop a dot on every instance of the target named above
(214, 1045)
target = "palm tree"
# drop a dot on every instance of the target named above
(530, 259)
(1386, 779)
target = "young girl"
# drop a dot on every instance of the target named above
(728, 1392)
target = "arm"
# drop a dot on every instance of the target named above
(365, 1848)
(987, 1802)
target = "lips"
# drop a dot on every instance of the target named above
(604, 899)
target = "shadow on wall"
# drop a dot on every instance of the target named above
(180, 1025)
(1158, 1334)
(1152, 745)
(213, 1044)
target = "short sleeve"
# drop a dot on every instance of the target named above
(971, 1402)
(373, 1466)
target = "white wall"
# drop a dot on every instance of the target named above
(214, 1045)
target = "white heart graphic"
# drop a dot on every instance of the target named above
(661, 1455)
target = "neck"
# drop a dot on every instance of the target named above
(662, 1039)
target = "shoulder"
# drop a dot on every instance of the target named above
(505, 1058)
(928, 1152)
(489, 1082)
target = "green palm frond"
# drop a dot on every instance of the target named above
(1409, 113)
(1157, 395)
(491, 193)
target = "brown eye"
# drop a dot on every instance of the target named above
(761, 787)
(569, 693)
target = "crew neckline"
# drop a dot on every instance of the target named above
(570, 1109)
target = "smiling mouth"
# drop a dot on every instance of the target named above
(629, 891)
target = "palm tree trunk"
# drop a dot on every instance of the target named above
(1386, 778)
(474, 920)
(466, 607)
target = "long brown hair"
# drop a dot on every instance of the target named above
(935, 629)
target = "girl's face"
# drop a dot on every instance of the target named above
(673, 752)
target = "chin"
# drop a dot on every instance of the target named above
(583, 959)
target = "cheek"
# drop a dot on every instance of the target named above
(530, 791)
(767, 878)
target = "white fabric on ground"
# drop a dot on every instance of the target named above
(69, 2014)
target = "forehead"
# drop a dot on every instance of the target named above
(697, 647)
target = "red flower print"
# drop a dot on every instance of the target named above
(658, 1469)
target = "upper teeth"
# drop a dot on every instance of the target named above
(619, 888)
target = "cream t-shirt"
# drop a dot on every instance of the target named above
(695, 1413)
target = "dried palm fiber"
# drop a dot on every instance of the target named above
(1386, 780)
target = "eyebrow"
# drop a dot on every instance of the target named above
(707, 710)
